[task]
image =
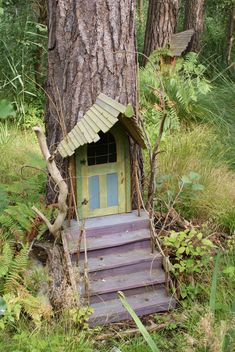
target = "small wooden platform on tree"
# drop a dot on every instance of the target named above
(119, 259)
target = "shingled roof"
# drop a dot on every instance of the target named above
(102, 116)
(180, 42)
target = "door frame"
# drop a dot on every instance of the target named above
(122, 166)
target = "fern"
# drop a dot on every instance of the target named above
(25, 302)
(183, 84)
(4, 198)
(17, 220)
(5, 259)
(17, 267)
(33, 307)
(13, 287)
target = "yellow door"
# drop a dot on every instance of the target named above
(103, 174)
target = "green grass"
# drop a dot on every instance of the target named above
(220, 107)
(17, 148)
(53, 337)
(200, 150)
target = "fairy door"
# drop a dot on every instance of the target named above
(104, 175)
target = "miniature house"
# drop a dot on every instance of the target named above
(100, 145)
(111, 247)
(179, 45)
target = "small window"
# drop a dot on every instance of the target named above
(102, 152)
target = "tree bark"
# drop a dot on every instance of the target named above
(40, 9)
(230, 38)
(140, 7)
(58, 283)
(194, 19)
(161, 23)
(91, 50)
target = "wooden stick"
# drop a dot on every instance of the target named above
(137, 184)
(130, 332)
(59, 181)
(70, 268)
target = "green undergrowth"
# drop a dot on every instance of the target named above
(193, 157)
(18, 148)
(196, 157)
(53, 336)
(220, 105)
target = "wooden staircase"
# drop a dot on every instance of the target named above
(120, 259)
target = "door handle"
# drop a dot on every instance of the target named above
(85, 201)
(83, 161)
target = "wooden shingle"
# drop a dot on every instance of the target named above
(102, 116)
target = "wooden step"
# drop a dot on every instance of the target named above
(143, 304)
(127, 269)
(129, 292)
(120, 259)
(113, 251)
(107, 225)
(117, 239)
(126, 281)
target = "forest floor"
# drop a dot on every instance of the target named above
(194, 325)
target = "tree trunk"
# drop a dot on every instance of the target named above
(161, 23)
(140, 7)
(58, 283)
(91, 50)
(40, 9)
(194, 19)
(230, 39)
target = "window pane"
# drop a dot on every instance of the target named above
(102, 152)
(94, 192)
(112, 189)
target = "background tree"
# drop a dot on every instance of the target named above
(194, 19)
(161, 23)
(231, 28)
(40, 10)
(91, 49)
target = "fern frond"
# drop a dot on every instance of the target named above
(5, 259)
(33, 307)
(17, 268)
(17, 219)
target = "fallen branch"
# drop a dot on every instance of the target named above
(59, 181)
(121, 334)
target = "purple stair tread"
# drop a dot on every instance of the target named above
(120, 259)
(117, 239)
(142, 303)
(127, 281)
(130, 292)
(107, 225)
(116, 219)
(127, 269)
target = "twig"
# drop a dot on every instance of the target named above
(59, 181)
(121, 334)
(170, 209)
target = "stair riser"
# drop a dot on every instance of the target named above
(112, 229)
(104, 320)
(113, 251)
(147, 264)
(105, 297)
(126, 286)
